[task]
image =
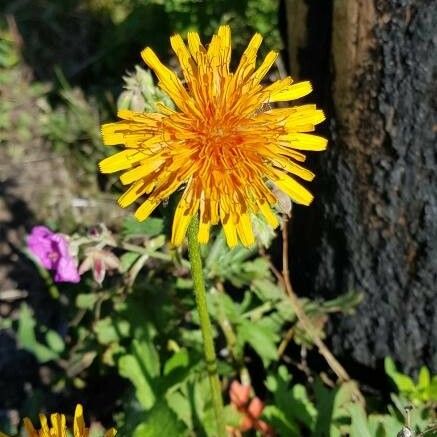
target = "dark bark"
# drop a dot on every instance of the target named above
(373, 226)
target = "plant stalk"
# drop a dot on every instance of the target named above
(205, 325)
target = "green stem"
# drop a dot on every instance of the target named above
(205, 325)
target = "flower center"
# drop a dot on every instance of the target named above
(53, 256)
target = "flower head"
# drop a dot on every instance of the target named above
(99, 261)
(251, 410)
(225, 146)
(52, 251)
(58, 427)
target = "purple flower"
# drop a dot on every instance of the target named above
(53, 252)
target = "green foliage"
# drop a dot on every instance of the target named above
(160, 421)
(291, 407)
(9, 54)
(152, 227)
(424, 391)
(74, 127)
(53, 346)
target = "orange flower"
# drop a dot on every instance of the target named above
(224, 146)
(252, 411)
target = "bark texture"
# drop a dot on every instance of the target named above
(373, 225)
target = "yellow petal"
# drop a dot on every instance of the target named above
(303, 117)
(205, 220)
(297, 192)
(168, 80)
(138, 189)
(121, 161)
(263, 69)
(229, 227)
(145, 118)
(268, 214)
(181, 51)
(292, 92)
(278, 85)
(146, 209)
(145, 168)
(248, 59)
(224, 34)
(286, 150)
(213, 52)
(110, 433)
(58, 425)
(31, 431)
(44, 425)
(305, 141)
(194, 44)
(244, 230)
(110, 137)
(204, 230)
(187, 207)
(292, 167)
(219, 49)
(181, 222)
(79, 422)
(163, 109)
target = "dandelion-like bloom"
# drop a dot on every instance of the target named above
(225, 145)
(58, 427)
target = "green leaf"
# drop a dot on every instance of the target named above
(281, 422)
(129, 367)
(151, 227)
(176, 370)
(148, 356)
(127, 260)
(141, 367)
(27, 338)
(177, 360)
(303, 409)
(222, 306)
(359, 426)
(109, 330)
(161, 422)
(86, 301)
(232, 416)
(345, 303)
(424, 381)
(383, 425)
(294, 404)
(181, 405)
(403, 382)
(201, 398)
(55, 341)
(261, 338)
(265, 289)
(332, 407)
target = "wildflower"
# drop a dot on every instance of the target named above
(52, 251)
(99, 261)
(225, 146)
(58, 427)
(240, 397)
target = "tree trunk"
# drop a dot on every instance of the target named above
(372, 227)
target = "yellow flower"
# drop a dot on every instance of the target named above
(225, 145)
(58, 426)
